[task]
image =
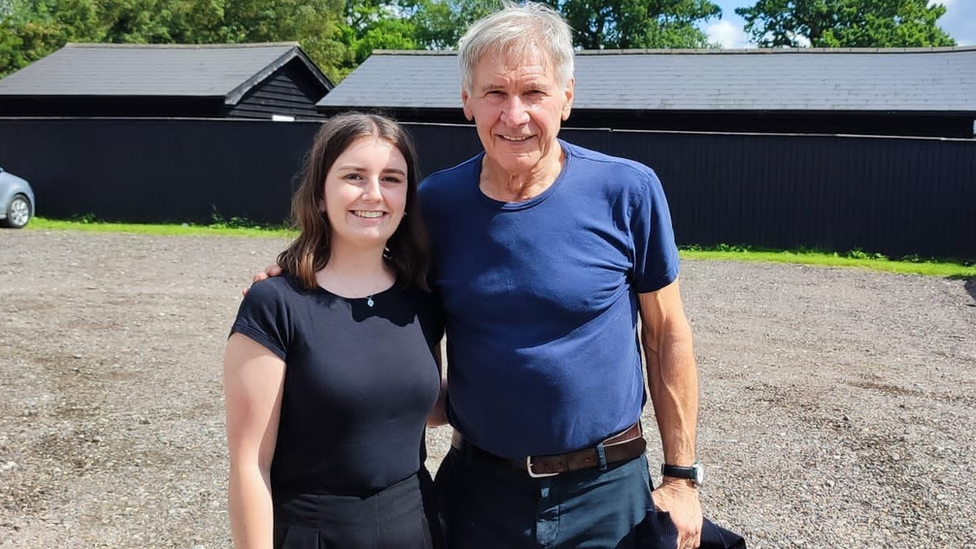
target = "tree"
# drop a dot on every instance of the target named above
(337, 34)
(621, 24)
(439, 24)
(845, 23)
(31, 29)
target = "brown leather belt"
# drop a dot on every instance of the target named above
(623, 446)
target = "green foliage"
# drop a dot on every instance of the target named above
(32, 29)
(218, 221)
(85, 218)
(733, 248)
(440, 23)
(858, 253)
(621, 24)
(845, 23)
(336, 34)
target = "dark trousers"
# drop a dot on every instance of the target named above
(486, 505)
(393, 518)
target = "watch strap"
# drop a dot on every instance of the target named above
(692, 473)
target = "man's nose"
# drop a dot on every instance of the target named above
(515, 112)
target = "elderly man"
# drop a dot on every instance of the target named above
(545, 256)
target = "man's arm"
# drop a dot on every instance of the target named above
(269, 271)
(438, 416)
(672, 379)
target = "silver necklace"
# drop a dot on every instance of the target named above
(369, 298)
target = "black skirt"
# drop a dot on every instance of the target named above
(398, 517)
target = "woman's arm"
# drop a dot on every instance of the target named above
(253, 382)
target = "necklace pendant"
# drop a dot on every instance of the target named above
(369, 301)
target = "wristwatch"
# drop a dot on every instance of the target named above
(695, 473)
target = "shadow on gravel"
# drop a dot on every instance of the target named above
(971, 289)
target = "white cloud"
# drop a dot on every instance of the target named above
(727, 34)
(802, 41)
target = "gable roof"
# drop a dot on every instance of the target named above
(863, 80)
(128, 70)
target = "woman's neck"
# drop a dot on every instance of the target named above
(356, 272)
(357, 262)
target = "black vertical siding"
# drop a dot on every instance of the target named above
(288, 91)
(896, 196)
(145, 170)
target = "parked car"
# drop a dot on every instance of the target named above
(16, 200)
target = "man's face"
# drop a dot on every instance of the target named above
(517, 105)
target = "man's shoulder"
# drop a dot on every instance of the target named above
(613, 169)
(450, 177)
(590, 155)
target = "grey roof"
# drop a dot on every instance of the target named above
(903, 79)
(226, 70)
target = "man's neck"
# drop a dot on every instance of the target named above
(503, 186)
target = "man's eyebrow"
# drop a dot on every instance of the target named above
(535, 85)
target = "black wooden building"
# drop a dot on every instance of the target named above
(896, 91)
(163, 81)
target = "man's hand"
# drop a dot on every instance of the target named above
(679, 498)
(269, 271)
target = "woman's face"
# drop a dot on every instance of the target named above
(366, 193)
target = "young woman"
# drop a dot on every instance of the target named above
(329, 372)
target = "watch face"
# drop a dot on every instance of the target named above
(699, 472)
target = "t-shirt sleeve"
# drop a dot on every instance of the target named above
(263, 317)
(655, 252)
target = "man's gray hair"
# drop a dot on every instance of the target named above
(516, 31)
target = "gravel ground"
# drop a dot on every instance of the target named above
(838, 406)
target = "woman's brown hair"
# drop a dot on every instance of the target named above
(408, 250)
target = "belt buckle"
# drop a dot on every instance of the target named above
(533, 474)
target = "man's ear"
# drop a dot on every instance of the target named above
(570, 91)
(464, 104)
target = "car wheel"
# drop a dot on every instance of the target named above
(18, 212)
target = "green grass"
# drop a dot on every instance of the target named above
(724, 252)
(854, 259)
(216, 229)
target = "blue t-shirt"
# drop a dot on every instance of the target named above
(541, 300)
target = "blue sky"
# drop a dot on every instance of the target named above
(959, 21)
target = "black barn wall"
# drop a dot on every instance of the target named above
(156, 170)
(891, 195)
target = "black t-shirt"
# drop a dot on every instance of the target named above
(359, 383)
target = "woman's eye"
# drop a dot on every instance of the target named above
(392, 179)
(352, 176)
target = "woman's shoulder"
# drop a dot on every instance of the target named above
(276, 289)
